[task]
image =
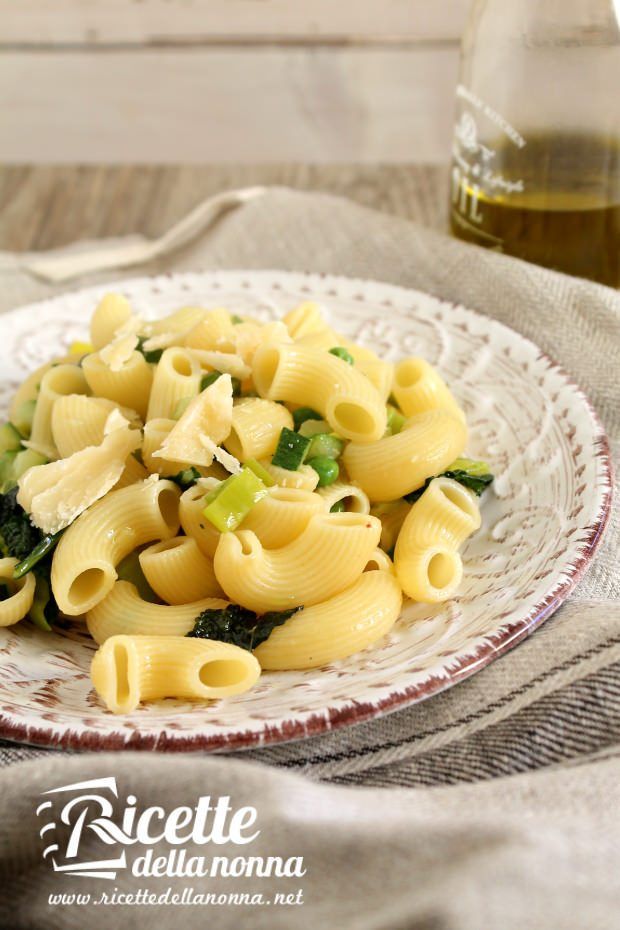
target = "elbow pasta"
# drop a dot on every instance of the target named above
(256, 428)
(110, 315)
(426, 557)
(256, 471)
(282, 515)
(20, 594)
(124, 611)
(418, 388)
(84, 566)
(128, 387)
(176, 378)
(178, 572)
(129, 669)
(57, 382)
(396, 465)
(347, 400)
(305, 571)
(336, 628)
(353, 498)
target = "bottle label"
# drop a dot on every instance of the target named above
(475, 174)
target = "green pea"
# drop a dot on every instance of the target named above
(342, 353)
(326, 469)
(305, 413)
(338, 507)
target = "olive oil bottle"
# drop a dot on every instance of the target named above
(564, 214)
(536, 149)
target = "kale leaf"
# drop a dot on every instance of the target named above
(475, 483)
(153, 356)
(239, 626)
(18, 537)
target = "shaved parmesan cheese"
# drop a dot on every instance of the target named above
(229, 462)
(55, 494)
(209, 414)
(115, 420)
(165, 341)
(134, 326)
(249, 336)
(118, 352)
(225, 362)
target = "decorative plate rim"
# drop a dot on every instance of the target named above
(355, 712)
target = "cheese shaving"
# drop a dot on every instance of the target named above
(229, 461)
(115, 420)
(117, 353)
(56, 494)
(225, 362)
(209, 414)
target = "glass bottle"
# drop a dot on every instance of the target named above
(536, 152)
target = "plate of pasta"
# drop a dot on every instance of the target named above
(238, 508)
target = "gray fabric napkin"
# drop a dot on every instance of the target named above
(517, 851)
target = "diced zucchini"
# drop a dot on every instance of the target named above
(10, 439)
(291, 450)
(26, 459)
(22, 421)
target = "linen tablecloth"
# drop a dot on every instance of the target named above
(490, 847)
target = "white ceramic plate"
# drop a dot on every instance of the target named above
(541, 523)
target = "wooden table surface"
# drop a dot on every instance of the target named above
(43, 207)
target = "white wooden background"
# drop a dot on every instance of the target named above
(191, 81)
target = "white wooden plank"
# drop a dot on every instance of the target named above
(318, 105)
(92, 22)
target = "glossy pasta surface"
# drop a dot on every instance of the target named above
(261, 498)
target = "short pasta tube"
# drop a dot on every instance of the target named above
(178, 572)
(214, 332)
(336, 628)
(426, 559)
(446, 512)
(282, 515)
(57, 382)
(256, 428)
(156, 431)
(128, 387)
(177, 377)
(324, 559)
(16, 605)
(128, 670)
(396, 465)
(392, 516)
(85, 560)
(379, 373)
(303, 478)
(112, 312)
(124, 611)
(340, 492)
(78, 421)
(343, 396)
(306, 318)
(181, 321)
(194, 522)
(419, 387)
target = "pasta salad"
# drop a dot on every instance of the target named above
(217, 497)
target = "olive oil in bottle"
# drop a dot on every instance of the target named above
(558, 206)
